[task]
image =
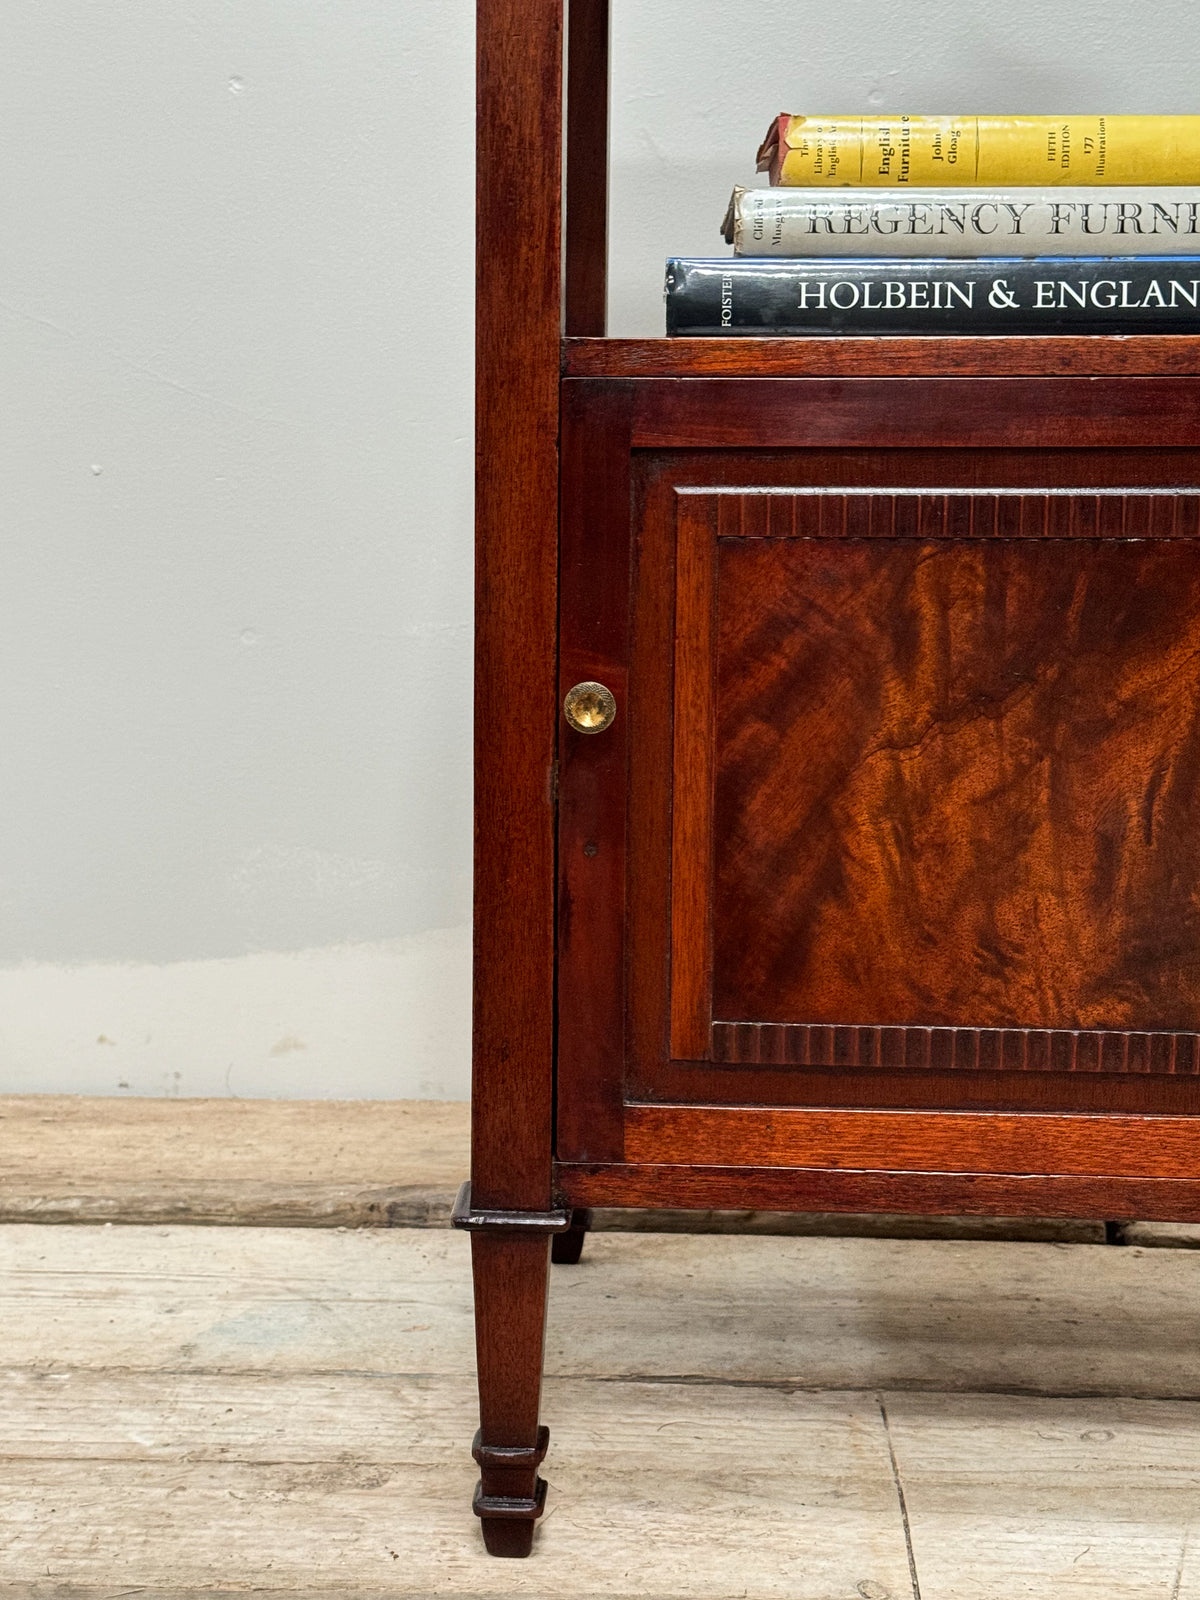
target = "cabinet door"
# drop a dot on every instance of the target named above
(902, 803)
(936, 764)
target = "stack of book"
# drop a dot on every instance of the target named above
(910, 225)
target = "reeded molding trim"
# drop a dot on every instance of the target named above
(797, 1044)
(958, 514)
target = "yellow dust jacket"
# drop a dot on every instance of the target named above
(879, 151)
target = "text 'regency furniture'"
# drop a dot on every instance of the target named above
(861, 869)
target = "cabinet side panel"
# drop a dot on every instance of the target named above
(518, 327)
(593, 773)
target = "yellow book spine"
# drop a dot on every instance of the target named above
(881, 151)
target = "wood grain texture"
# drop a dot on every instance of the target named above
(1111, 489)
(585, 212)
(222, 1203)
(650, 783)
(68, 1159)
(935, 1142)
(518, 323)
(187, 1504)
(1074, 513)
(287, 1473)
(958, 786)
(519, 52)
(911, 1087)
(885, 413)
(511, 1273)
(815, 1189)
(351, 1488)
(83, 1140)
(276, 1305)
(917, 468)
(283, 1163)
(957, 1049)
(1139, 355)
(988, 1488)
(593, 777)
(693, 767)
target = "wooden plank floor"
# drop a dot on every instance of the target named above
(291, 1163)
(192, 1412)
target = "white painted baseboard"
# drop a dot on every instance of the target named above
(364, 1021)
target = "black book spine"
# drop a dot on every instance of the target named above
(772, 297)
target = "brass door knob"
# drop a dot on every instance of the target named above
(589, 708)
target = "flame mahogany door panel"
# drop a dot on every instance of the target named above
(902, 806)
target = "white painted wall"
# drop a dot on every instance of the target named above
(235, 477)
(235, 587)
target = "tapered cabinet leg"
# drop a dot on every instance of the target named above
(568, 1247)
(511, 1272)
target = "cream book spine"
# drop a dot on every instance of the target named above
(964, 222)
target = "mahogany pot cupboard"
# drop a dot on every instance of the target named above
(837, 759)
